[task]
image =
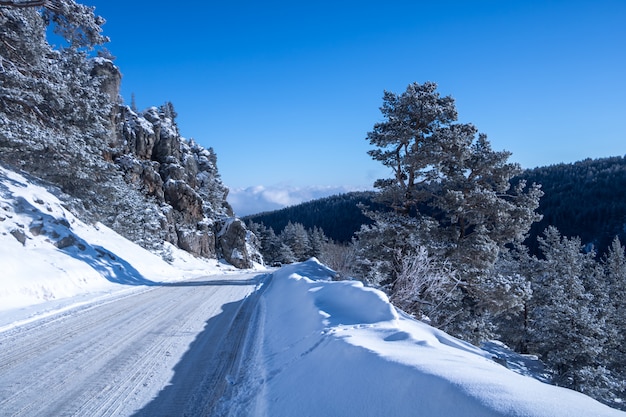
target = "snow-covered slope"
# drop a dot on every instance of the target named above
(47, 254)
(337, 349)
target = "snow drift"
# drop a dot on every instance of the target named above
(337, 348)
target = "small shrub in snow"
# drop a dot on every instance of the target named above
(425, 287)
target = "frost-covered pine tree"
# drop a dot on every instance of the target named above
(26, 56)
(403, 141)
(74, 22)
(54, 86)
(566, 323)
(511, 305)
(317, 240)
(614, 356)
(446, 176)
(51, 92)
(295, 236)
(381, 246)
(272, 248)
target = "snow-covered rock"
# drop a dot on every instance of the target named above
(61, 121)
(238, 245)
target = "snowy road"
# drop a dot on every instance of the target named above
(169, 350)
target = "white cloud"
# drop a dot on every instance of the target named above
(257, 199)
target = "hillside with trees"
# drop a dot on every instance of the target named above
(62, 121)
(339, 216)
(584, 199)
(474, 245)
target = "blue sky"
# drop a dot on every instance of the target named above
(285, 92)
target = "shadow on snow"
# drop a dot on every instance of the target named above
(207, 373)
(108, 264)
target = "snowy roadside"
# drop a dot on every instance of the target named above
(338, 348)
(52, 262)
(98, 295)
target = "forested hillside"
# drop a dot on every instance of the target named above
(585, 199)
(339, 216)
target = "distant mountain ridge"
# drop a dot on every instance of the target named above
(585, 199)
(339, 216)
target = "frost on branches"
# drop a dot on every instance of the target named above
(455, 189)
(62, 121)
(450, 248)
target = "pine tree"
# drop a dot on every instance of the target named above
(381, 246)
(272, 248)
(403, 141)
(566, 325)
(514, 268)
(133, 103)
(75, 22)
(168, 110)
(317, 240)
(295, 236)
(53, 87)
(457, 190)
(614, 264)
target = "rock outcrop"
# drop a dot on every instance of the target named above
(182, 177)
(232, 238)
(105, 70)
(133, 172)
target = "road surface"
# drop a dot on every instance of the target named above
(170, 350)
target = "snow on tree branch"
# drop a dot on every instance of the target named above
(75, 22)
(51, 5)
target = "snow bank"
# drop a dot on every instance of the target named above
(337, 348)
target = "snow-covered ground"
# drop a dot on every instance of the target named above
(50, 260)
(317, 347)
(339, 349)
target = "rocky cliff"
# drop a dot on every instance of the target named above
(127, 169)
(182, 177)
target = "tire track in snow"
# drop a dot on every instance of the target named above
(111, 359)
(68, 351)
(206, 391)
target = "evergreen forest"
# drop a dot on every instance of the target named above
(584, 199)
